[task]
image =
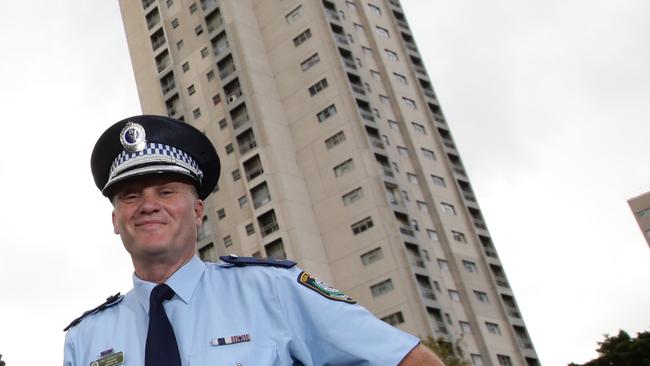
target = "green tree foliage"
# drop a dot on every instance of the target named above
(450, 354)
(622, 350)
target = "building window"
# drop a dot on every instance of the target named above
(193, 8)
(316, 88)
(382, 287)
(375, 74)
(374, 9)
(422, 206)
(504, 360)
(198, 30)
(268, 223)
(372, 256)
(410, 103)
(366, 50)
(433, 235)
(401, 79)
(447, 208)
(191, 90)
(358, 27)
(419, 128)
(229, 149)
(343, 168)
(438, 181)
(384, 99)
(443, 264)
(210, 75)
(391, 55)
(204, 52)
(335, 140)
(405, 194)
(477, 360)
(170, 3)
(382, 32)
(227, 241)
(348, 3)
(250, 229)
(481, 296)
(458, 236)
(236, 175)
(352, 196)
(179, 44)
(393, 125)
(185, 66)
(216, 99)
(175, 23)
(428, 154)
(454, 295)
(465, 327)
(493, 328)
(302, 37)
(643, 213)
(275, 249)
(403, 151)
(242, 201)
(223, 124)
(326, 113)
(294, 14)
(221, 213)
(311, 61)
(470, 266)
(394, 319)
(412, 178)
(361, 226)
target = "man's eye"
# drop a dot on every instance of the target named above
(166, 192)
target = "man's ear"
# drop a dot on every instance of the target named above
(198, 212)
(116, 228)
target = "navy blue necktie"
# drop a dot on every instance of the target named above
(161, 347)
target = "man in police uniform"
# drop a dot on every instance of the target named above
(181, 311)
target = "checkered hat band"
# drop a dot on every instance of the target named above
(153, 150)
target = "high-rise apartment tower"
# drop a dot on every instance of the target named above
(334, 153)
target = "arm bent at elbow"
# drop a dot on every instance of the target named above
(421, 356)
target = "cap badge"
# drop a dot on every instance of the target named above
(132, 137)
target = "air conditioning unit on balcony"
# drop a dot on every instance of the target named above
(231, 99)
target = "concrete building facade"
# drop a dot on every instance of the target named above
(335, 153)
(640, 206)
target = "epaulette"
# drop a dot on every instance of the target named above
(252, 261)
(110, 301)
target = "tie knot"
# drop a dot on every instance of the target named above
(161, 293)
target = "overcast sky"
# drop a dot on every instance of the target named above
(545, 100)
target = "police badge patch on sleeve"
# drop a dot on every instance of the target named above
(319, 286)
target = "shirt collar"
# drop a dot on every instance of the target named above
(183, 282)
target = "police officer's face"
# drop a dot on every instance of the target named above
(157, 217)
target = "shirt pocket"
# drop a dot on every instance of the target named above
(243, 354)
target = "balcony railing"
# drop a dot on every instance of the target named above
(350, 63)
(406, 230)
(387, 171)
(367, 116)
(269, 228)
(166, 88)
(513, 312)
(428, 293)
(332, 14)
(257, 203)
(480, 224)
(501, 281)
(240, 120)
(226, 71)
(490, 252)
(156, 43)
(376, 143)
(254, 172)
(358, 88)
(341, 38)
(417, 261)
(246, 146)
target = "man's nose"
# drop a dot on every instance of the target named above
(149, 202)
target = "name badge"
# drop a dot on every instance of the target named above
(114, 359)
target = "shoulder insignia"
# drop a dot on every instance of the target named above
(322, 288)
(252, 261)
(110, 301)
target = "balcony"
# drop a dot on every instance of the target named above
(268, 223)
(378, 143)
(387, 171)
(427, 293)
(513, 312)
(246, 145)
(418, 262)
(226, 71)
(253, 168)
(367, 115)
(490, 252)
(205, 4)
(402, 24)
(340, 38)
(525, 343)
(479, 224)
(332, 15)
(501, 281)
(261, 195)
(350, 63)
(406, 230)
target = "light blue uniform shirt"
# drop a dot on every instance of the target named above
(287, 323)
